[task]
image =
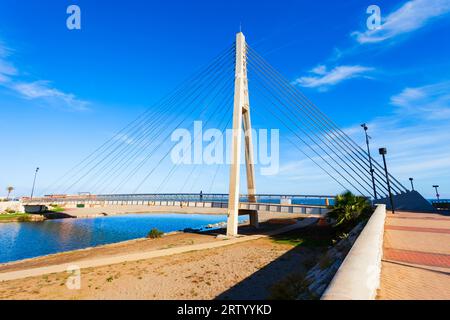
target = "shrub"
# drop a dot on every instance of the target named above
(289, 288)
(10, 211)
(348, 208)
(155, 233)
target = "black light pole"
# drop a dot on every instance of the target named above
(412, 184)
(34, 182)
(364, 126)
(437, 193)
(383, 152)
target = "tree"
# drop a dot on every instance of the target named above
(348, 207)
(9, 189)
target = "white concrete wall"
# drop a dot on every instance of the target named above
(12, 205)
(358, 277)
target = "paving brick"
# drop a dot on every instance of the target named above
(418, 229)
(416, 257)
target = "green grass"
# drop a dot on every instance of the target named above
(15, 216)
(56, 209)
(308, 237)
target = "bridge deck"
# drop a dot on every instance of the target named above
(258, 206)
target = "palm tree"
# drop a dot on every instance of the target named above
(348, 207)
(9, 189)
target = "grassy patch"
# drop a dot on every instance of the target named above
(313, 236)
(56, 208)
(15, 217)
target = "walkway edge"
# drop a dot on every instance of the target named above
(358, 277)
(14, 275)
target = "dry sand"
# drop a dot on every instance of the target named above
(243, 270)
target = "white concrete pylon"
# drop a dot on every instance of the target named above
(241, 117)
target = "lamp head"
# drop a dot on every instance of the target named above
(382, 151)
(364, 126)
(435, 186)
(411, 179)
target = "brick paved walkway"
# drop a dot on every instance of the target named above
(416, 257)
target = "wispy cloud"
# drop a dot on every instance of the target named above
(418, 150)
(6, 68)
(322, 78)
(420, 127)
(41, 90)
(412, 16)
(431, 101)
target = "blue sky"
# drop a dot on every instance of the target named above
(64, 92)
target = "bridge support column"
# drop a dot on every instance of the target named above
(241, 116)
(254, 219)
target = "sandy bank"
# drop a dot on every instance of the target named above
(244, 269)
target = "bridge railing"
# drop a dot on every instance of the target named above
(212, 197)
(265, 207)
(443, 205)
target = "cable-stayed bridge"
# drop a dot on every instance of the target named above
(138, 157)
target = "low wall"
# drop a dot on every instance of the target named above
(358, 277)
(11, 205)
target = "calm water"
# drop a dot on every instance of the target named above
(27, 240)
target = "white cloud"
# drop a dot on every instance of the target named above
(415, 134)
(324, 78)
(3, 78)
(7, 68)
(413, 15)
(320, 69)
(41, 89)
(415, 149)
(431, 101)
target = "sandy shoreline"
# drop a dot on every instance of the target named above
(170, 239)
(242, 270)
(219, 270)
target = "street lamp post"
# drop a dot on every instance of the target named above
(34, 182)
(383, 152)
(364, 126)
(412, 184)
(437, 193)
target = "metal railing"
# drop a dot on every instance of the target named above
(212, 197)
(108, 201)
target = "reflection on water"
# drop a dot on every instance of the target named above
(27, 240)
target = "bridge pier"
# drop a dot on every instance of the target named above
(241, 118)
(253, 215)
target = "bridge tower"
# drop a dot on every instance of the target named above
(241, 118)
